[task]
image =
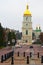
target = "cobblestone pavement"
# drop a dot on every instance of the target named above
(20, 60)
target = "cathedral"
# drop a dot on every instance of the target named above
(27, 26)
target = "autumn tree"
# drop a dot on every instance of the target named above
(41, 37)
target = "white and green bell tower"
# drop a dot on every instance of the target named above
(27, 27)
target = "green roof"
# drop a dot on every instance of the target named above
(38, 30)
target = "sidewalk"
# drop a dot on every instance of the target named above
(20, 60)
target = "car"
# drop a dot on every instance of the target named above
(31, 46)
(18, 46)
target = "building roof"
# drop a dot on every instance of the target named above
(27, 11)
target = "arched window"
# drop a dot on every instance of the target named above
(26, 32)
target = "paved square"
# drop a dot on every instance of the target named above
(21, 60)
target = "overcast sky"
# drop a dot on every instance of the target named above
(11, 13)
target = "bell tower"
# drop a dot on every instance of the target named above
(27, 27)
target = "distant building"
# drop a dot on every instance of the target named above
(28, 34)
(27, 27)
(37, 31)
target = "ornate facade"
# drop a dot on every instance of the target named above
(27, 27)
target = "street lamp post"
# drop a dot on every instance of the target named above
(13, 42)
(12, 61)
(8, 43)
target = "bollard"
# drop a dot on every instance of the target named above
(30, 54)
(18, 53)
(27, 59)
(12, 53)
(41, 59)
(12, 60)
(9, 55)
(5, 57)
(38, 54)
(2, 59)
(24, 54)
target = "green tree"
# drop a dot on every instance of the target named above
(1, 36)
(41, 37)
(33, 35)
(11, 35)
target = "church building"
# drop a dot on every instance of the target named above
(27, 26)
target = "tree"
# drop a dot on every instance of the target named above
(37, 41)
(11, 35)
(19, 35)
(33, 36)
(41, 37)
(1, 36)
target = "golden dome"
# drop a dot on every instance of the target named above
(27, 12)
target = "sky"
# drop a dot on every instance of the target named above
(11, 13)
